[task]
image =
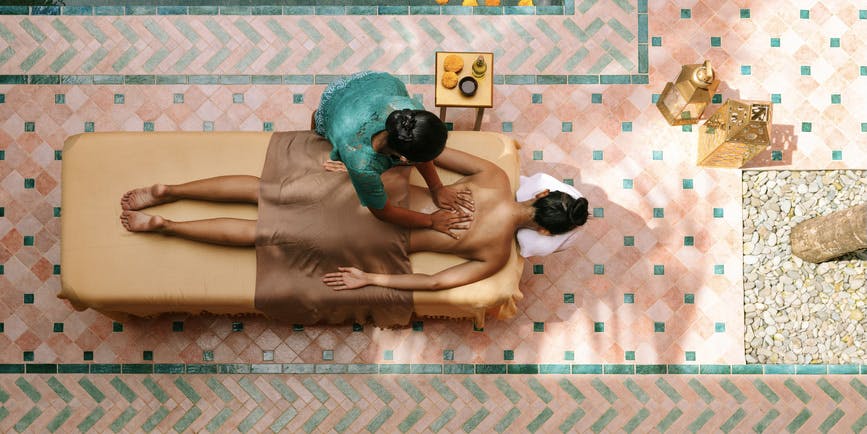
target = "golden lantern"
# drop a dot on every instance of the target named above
(683, 101)
(735, 133)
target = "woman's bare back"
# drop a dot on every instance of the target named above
(493, 228)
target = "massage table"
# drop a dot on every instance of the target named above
(120, 273)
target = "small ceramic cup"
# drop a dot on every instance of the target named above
(468, 86)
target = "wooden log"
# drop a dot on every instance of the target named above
(821, 238)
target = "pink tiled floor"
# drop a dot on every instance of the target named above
(595, 127)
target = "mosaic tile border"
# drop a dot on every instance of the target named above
(306, 79)
(426, 368)
(308, 7)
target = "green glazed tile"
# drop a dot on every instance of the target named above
(683, 369)
(522, 369)
(490, 369)
(137, 368)
(597, 155)
(169, 368)
(811, 369)
(745, 13)
(629, 356)
(426, 368)
(656, 155)
(689, 356)
(747, 369)
(587, 369)
(73, 368)
(715, 41)
(58, 327)
(538, 327)
(41, 368)
(598, 269)
(619, 369)
(629, 298)
(569, 298)
(459, 368)
(202, 368)
(658, 327)
(715, 369)
(398, 368)
(650, 369)
(598, 327)
(508, 355)
(105, 368)
(555, 369)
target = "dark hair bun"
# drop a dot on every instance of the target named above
(404, 125)
(578, 211)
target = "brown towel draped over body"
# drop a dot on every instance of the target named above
(311, 222)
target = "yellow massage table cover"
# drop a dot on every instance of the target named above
(117, 272)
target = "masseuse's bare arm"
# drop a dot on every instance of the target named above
(441, 221)
(462, 274)
(463, 163)
(445, 197)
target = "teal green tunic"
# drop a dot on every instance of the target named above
(352, 110)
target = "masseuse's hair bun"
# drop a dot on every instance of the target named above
(418, 135)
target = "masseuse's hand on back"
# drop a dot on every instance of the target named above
(446, 221)
(453, 199)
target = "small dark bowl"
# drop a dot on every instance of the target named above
(468, 86)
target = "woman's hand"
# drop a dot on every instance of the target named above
(444, 221)
(452, 199)
(346, 278)
(334, 166)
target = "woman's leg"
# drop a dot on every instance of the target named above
(233, 188)
(223, 231)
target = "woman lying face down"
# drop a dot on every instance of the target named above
(486, 244)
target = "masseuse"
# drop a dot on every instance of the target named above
(374, 125)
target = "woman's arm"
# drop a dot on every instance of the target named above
(441, 220)
(463, 163)
(459, 275)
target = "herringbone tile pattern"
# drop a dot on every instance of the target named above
(515, 403)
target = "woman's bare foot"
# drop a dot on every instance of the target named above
(136, 221)
(145, 197)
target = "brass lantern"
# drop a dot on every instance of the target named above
(683, 101)
(735, 133)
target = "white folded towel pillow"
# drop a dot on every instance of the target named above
(533, 243)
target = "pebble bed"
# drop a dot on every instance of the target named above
(797, 312)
